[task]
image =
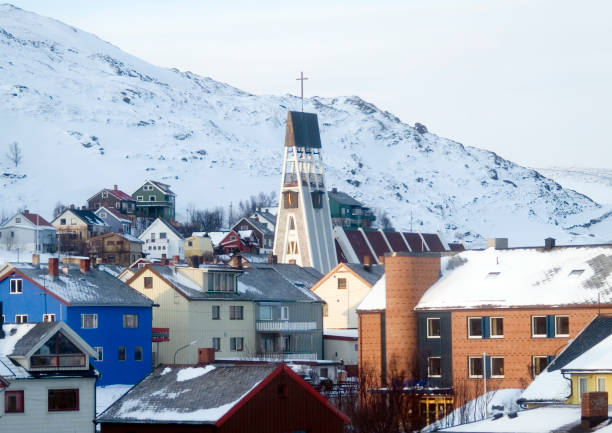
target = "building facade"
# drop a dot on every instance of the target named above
(27, 232)
(162, 240)
(155, 200)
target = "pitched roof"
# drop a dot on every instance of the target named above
(35, 218)
(32, 338)
(371, 274)
(93, 288)
(87, 216)
(125, 236)
(162, 186)
(13, 333)
(377, 242)
(302, 130)
(522, 277)
(167, 224)
(375, 300)
(119, 194)
(456, 246)
(397, 242)
(597, 359)
(115, 212)
(280, 282)
(343, 198)
(359, 245)
(434, 243)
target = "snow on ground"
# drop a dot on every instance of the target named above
(475, 410)
(14, 256)
(107, 395)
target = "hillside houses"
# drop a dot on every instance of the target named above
(27, 232)
(161, 239)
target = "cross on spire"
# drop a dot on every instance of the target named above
(301, 80)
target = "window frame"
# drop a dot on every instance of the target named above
(20, 401)
(557, 317)
(233, 312)
(533, 363)
(216, 312)
(234, 347)
(429, 359)
(16, 286)
(582, 379)
(597, 382)
(148, 281)
(99, 353)
(47, 316)
(95, 320)
(491, 335)
(284, 312)
(138, 349)
(496, 376)
(119, 351)
(470, 373)
(19, 318)
(344, 285)
(75, 390)
(217, 347)
(475, 337)
(126, 320)
(533, 334)
(429, 333)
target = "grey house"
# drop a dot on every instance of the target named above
(27, 232)
(117, 222)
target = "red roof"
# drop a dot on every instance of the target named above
(115, 212)
(359, 245)
(339, 253)
(415, 242)
(120, 194)
(378, 243)
(433, 242)
(396, 241)
(33, 218)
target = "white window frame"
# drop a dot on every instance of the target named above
(496, 376)
(216, 347)
(533, 334)
(50, 317)
(127, 318)
(429, 319)
(234, 347)
(284, 313)
(151, 198)
(19, 318)
(95, 321)
(491, 327)
(429, 365)
(557, 326)
(104, 194)
(16, 288)
(581, 380)
(102, 214)
(476, 337)
(99, 353)
(598, 380)
(139, 198)
(475, 376)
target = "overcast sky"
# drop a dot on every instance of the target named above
(530, 80)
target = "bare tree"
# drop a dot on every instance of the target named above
(58, 209)
(14, 154)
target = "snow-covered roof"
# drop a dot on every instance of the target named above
(376, 299)
(596, 359)
(522, 277)
(217, 237)
(245, 234)
(155, 224)
(347, 333)
(174, 394)
(13, 334)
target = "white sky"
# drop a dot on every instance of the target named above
(528, 79)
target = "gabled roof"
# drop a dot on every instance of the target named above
(36, 219)
(343, 198)
(125, 236)
(368, 274)
(114, 212)
(165, 223)
(376, 300)
(302, 130)
(280, 282)
(116, 192)
(261, 227)
(93, 288)
(521, 277)
(86, 216)
(208, 394)
(266, 215)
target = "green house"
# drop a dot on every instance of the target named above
(155, 200)
(347, 212)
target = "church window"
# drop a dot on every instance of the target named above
(291, 223)
(292, 247)
(290, 199)
(317, 199)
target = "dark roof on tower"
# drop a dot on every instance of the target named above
(302, 130)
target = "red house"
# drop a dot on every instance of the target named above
(264, 398)
(242, 241)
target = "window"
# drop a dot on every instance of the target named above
(138, 353)
(189, 243)
(63, 399)
(290, 199)
(104, 194)
(21, 318)
(102, 214)
(49, 317)
(216, 312)
(325, 310)
(433, 327)
(110, 258)
(265, 312)
(283, 390)
(117, 205)
(582, 387)
(538, 326)
(433, 367)
(151, 198)
(317, 199)
(72, 221)
(497, 327)
(13, 401)
(148, 188)
(539, 364)
(130, 320)
(148, 281)
(292, 247)
(16, 286)
(216, 343)
(236, 344)
(497, 366)
(121, 353)
(284, 313)
(236, 312)
(475, 366)
(152, 237)
(576, 272)
(58, 351)
(601, 384)
(162, 235)
(474, 327)
(341, 283)
(63, 221)
(89, 321)
(561, 326)
(99, 353)
(18, 220)
(139, 198)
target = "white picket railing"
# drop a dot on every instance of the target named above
(279, 326)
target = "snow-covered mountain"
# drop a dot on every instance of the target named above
(594, 182)
(88, 115)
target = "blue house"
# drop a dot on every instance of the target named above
(110, 316)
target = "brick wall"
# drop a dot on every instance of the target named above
(370, 354)
(517, 345)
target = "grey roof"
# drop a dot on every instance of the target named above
(281, 282)
(170, 227)
(302, 130)
(93, 288)
(261, 227)
(162, 397)
(32, 338)
(88, 217)
(371, 273)
(163, 186)
(267, 215)
(343, 198)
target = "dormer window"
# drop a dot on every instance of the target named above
(576, 272)
(58, 351)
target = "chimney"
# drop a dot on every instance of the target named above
(594, 408)
(98, 260)
(83, 207)
(272, 259)
(164, 260)
(366, 262)
(25, 212)
(36, 260)
(176, 259)
(85, 265)
(334, 190)
(381, 260)
(1, 322)
(497, 243)
(53, 266)
(72, 206)
(549, 243)
(206, 355)
(116, 188)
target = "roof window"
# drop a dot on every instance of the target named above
(576, 272)
(493, 275)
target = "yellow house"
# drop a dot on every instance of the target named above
(199, 306)
(199, 246)
(343, 289)
(591, 371)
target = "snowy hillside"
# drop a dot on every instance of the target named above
(594, 182)
(88, 115)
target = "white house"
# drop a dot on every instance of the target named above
(161, 238)
(46, 379)
(25, 231)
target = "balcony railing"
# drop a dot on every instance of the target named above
(284, 326)
(269, 356)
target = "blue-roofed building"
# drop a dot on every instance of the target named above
(110, 316)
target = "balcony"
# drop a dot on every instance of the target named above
(284, 326)
(280, 356)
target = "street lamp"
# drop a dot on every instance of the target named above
(183, 347)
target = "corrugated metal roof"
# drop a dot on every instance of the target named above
(396, 241)
(343, 198)
(378, 243)
(302, 130)
(359, 245)
(433, 242)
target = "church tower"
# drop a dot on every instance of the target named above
(303, 233)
